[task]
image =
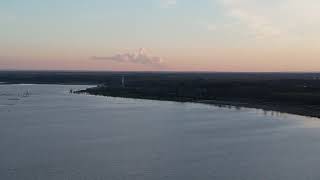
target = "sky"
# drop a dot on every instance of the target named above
(160, 35)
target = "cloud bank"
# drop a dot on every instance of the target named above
(276, 18)
(139, 57)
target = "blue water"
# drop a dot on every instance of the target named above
(53, 135)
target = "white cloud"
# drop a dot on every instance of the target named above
(169, 3)
(139, 57)
(211, 27)
(246, 13)
(275, 18)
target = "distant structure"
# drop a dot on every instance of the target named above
(26, 94)
(123, 82)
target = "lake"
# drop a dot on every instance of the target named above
(46, 133)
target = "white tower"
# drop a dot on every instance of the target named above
(123, 82)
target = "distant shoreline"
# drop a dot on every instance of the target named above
(270, 106)
(295, 93)
(296, 109)
(283, 108)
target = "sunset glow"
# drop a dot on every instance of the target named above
(160, 35)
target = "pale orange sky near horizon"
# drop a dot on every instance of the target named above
(236, 60)
(228, 35)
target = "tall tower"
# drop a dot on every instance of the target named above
(123, 82)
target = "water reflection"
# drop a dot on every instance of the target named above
(56, 135)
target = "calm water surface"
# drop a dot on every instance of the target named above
(50, 134)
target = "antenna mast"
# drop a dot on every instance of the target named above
(123, 82)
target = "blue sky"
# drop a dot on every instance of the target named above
(122, 23)
(217, 35)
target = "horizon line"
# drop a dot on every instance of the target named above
(137, 71)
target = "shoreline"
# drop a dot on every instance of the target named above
(294, 110)
(301, 110)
